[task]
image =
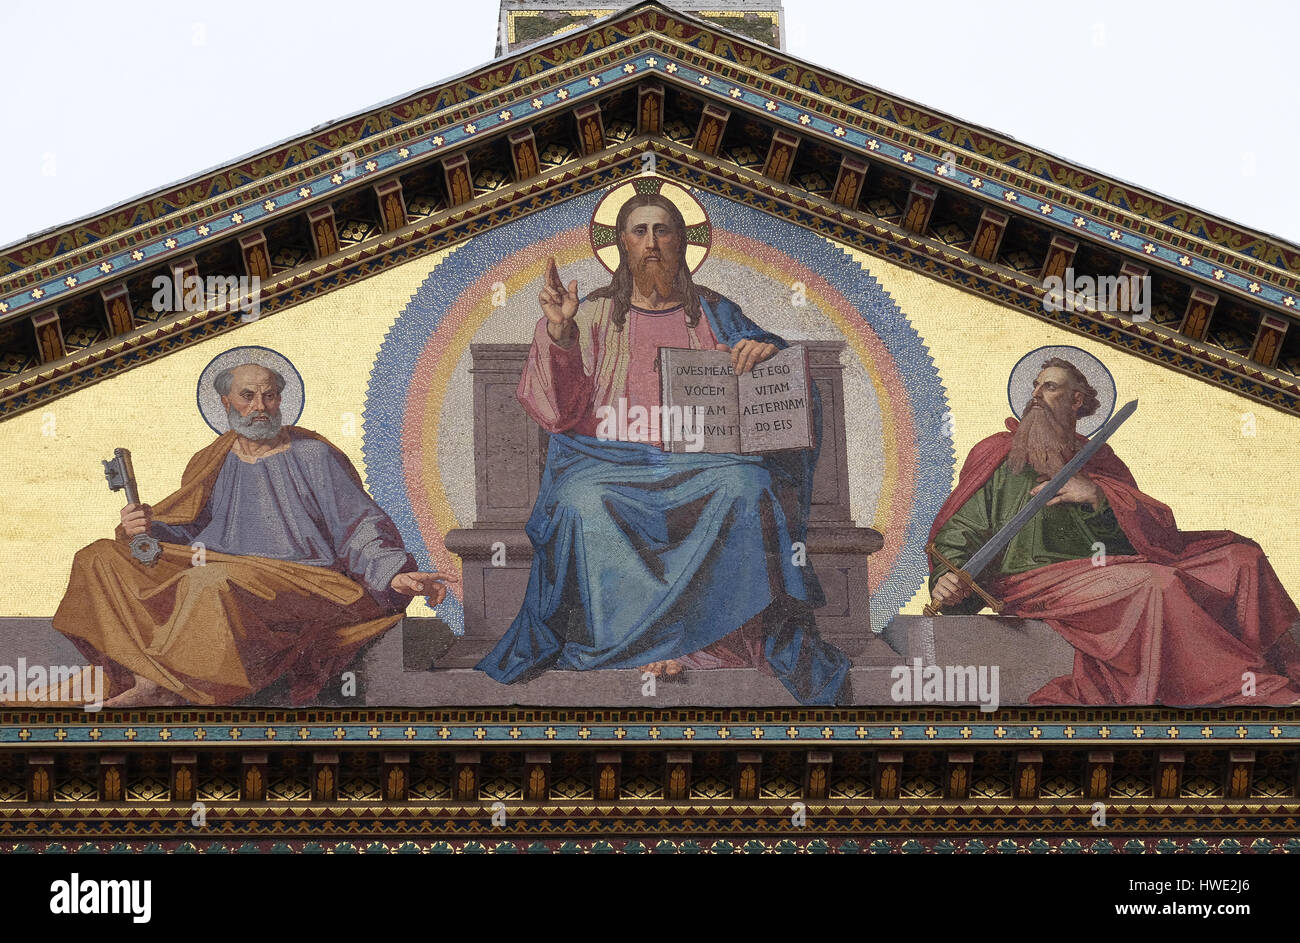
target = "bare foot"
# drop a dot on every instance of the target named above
(669, 670)
(145, 693)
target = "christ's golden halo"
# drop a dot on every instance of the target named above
(604, 235)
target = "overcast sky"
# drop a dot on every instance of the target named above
(1195, 101)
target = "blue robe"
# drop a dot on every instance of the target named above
(640, 555)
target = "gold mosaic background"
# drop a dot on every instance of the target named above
(1186, 446)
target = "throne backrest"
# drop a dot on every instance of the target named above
(510, 449)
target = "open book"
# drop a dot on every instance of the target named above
(707, 408)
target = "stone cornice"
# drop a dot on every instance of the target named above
(851, 228)
(811, 101)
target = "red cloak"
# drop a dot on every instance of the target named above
(1194, 618)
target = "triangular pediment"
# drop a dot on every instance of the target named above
(713, 109)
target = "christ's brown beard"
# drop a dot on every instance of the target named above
(655, 277)
(1043, 440)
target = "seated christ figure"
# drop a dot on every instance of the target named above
(643, 558)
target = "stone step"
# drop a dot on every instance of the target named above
(400, 668)
(1027, 653)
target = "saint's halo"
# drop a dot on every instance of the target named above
(291, 398)
(1020, 387)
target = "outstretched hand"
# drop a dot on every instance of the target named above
(433, 585)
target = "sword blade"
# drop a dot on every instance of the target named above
(985, 554)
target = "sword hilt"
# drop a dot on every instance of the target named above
(967, 580)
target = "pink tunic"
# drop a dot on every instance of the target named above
(559, 393)
(651, 330)
(561, 396)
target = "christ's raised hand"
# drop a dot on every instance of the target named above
(559, 304)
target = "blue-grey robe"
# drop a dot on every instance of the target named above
(300, 505)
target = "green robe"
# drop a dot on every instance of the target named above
(1056, 533)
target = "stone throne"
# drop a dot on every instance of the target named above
(510, 452)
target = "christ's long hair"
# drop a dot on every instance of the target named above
(619, 289)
